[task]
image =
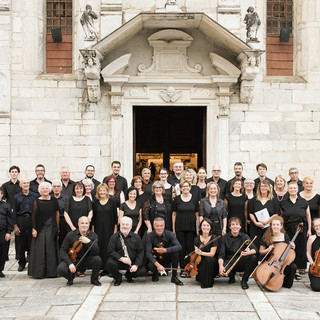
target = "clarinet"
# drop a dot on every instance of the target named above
(124, 248)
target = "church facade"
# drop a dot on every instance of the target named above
(159, 81)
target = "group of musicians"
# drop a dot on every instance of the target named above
(219, 250)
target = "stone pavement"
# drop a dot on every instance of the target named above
(22, 297)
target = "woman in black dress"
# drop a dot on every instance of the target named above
(139, 184)
(77, 205)
(208, 267)
(264, 200)
(132, 209)
(312, 198)
(202, 177)
(169, 189)
(276, 234)
(114, 191)
(184, 216)
(104, 221)
(191, 176)
(312, 246)
(44, 246)
(157, 206)
(214, 208)
(236, 203)
(294, 210)
(88, 186)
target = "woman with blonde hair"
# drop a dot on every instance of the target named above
(104, 221)
(280, 188)
(312, 198)
(262, 205)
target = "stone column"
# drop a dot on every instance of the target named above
(306, 39)
(5, 84)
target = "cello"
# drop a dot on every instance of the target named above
(269, 274)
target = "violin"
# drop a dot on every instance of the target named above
(315, 266)
(270, 272)
(75, 249)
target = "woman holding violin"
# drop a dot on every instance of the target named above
(294, 210)
(208, 265)
(275, 234)
(313, 255)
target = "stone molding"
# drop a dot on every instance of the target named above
(5, 5)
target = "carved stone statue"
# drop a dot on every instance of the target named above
(87, 22)
(92, 68)
(250, 69)
(170, 95)
(253, 23)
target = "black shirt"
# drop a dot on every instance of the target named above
(173, 180)
(10, 189)
(70, 239)
(62, 204)
(168, 240)
(222, 185)
(23, 204)
(6, 217)
(230, 244)
(257, 181)
(34, 186)
(134, 246)
(67, 190)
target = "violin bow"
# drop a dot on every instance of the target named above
(203, 246)
(94, 241)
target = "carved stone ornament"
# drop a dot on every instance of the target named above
(171, 94)
(87, 23)
(116, 98)
(92, 68)
(253, 23)
(5, 5)
(170, 55)
(224, 103)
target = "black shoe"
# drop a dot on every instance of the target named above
(129, 280)
(117, 282)
(244, 284)
(1, 274)
(70, 282)
(232, 280)
(21, 267)
(176, 281)
(155, 277)
(96, 282)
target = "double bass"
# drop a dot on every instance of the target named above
(270, 272)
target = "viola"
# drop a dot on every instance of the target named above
(157, 255)
(270, 272)
(75, 249)
(315, 266)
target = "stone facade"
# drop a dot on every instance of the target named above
(60, 119)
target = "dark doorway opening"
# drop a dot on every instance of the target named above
(163, 135)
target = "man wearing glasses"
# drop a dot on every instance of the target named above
(294, 177)
(216, 172)
(34, 184)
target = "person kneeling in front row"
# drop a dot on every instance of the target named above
(125, 252)
(229, 245)
(67, 268)
(162, 250)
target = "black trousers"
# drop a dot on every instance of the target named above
(3, 249)
(25, 225)
(246, 264)
(90, 262)
(186, 239)
(113, 266)
(168, 260)
(289, 273)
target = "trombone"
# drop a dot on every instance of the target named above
(246, 242)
